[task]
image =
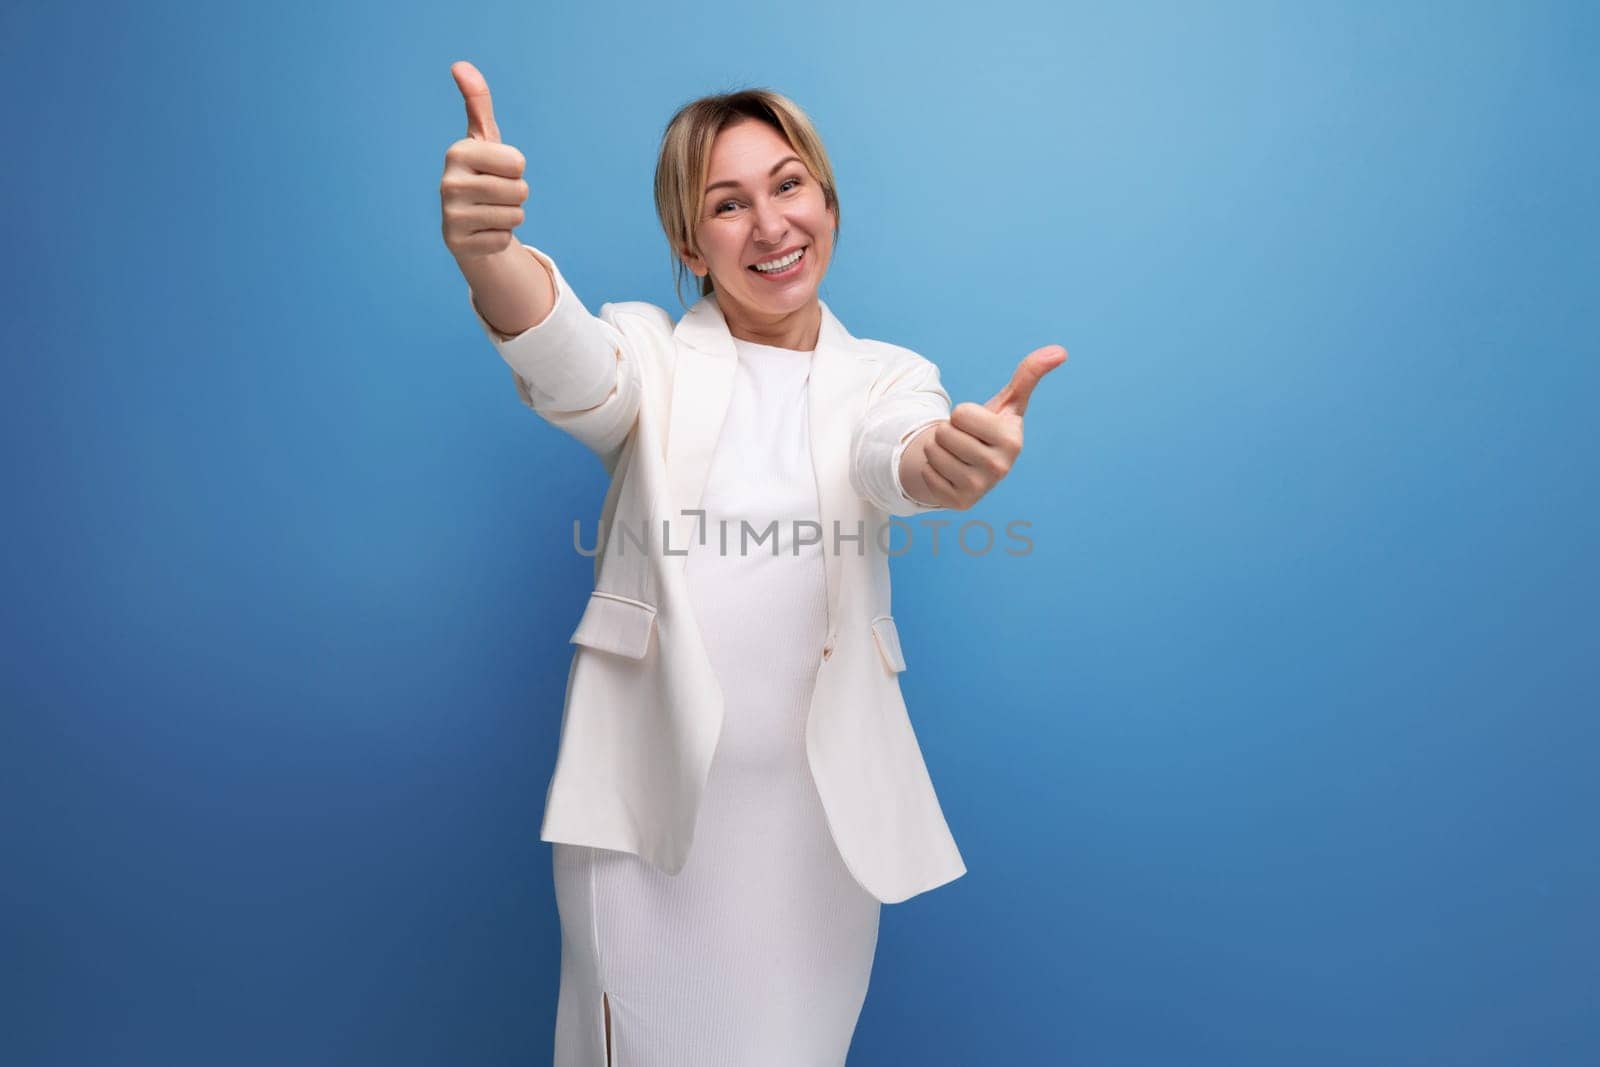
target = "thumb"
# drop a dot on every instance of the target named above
(480, 110)
(1035, 365)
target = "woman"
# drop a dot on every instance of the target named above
(755, 945)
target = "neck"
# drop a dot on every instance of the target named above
(797, 329)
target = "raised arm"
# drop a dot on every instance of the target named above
(481, 197)
(569, 366)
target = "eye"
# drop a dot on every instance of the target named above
(781, 188)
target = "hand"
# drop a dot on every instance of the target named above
(482, 191)
(954, 463)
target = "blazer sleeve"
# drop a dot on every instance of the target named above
(906, 398)
(579, 372)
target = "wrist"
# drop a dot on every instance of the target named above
(913, 462)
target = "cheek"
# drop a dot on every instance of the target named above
(823, 228)
(825, 241)
(719, 250)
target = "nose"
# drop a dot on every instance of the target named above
(769, 224)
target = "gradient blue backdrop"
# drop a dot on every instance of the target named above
(1279, 749)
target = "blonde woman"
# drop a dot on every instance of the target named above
(738, 788)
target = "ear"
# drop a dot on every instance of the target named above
(697, 265)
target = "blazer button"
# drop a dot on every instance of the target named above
(827, 649)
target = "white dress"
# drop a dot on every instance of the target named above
(759, 951)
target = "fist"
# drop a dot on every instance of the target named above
(954, 463)
(482, 191)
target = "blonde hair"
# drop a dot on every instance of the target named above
(685, 161)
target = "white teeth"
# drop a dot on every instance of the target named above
(779, 264)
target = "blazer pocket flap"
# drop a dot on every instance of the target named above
(613, 623)
(888, 639)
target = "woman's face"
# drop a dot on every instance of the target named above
(760, 203)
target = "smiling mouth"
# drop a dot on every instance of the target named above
(790, 269)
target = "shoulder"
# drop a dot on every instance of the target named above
(883, 351)
(632, 316)
(895, 367)
(885, 354)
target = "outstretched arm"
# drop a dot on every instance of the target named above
(574, 369)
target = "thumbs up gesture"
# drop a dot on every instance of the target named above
(482, 191)
(954, 463)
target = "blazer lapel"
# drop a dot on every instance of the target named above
(835, 397)
(702, 384)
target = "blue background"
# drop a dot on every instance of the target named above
(1280, 748)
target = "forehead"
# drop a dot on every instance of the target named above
(746, 149)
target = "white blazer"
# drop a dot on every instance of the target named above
(643, 707)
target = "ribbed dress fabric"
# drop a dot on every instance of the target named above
(758, 953)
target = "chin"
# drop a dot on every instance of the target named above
(788, 303)
(791, 300)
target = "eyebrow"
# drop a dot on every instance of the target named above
(775, 168)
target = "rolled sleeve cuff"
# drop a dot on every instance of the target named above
(567, 362)
(913, 506)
